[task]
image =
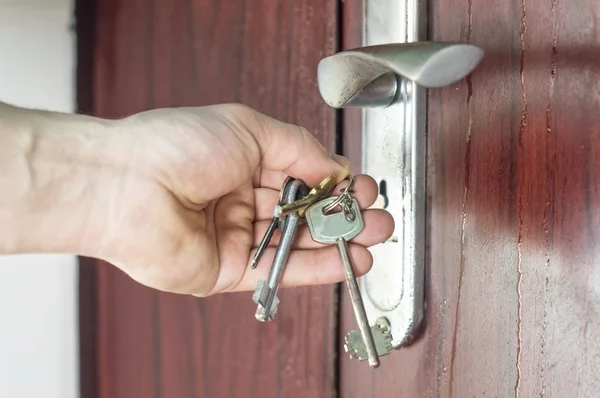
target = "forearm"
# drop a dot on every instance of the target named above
(49, 174)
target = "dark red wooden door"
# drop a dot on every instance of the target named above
(513, 260)
(157, 53)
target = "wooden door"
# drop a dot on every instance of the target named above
(513, 217)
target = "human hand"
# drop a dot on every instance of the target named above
(180, 198)
(200, 191)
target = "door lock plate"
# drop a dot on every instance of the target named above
(388, 78)
(394, 153)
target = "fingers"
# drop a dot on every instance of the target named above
(308, 267)
(365, 188)
(379, 227)
(291, 148)
(264, 201)
(273, 179)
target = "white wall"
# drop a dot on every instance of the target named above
(38, 296)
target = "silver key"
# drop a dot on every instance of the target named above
(275, 223)
(265, 294)
(339, 228)
(264, 242)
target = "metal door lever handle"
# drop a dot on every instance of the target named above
(390, 81)
(367, 77)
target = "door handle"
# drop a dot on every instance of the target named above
(368, 77)
(388, 78)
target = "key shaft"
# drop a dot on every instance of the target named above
(264, 243)
(266, 292)
(357, 303)
(338, 228)
(266, 311)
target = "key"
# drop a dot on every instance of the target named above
(323, 190)
(265, 295)
(264, 243)
(338, 228)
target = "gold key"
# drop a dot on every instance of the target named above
(324, 189)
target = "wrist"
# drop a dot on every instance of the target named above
(52, 167)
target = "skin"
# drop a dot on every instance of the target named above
(176, 198)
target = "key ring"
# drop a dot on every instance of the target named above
(344, 196)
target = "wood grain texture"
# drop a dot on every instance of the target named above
(160, 53)
(513, 263)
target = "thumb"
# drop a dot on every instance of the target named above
(292, 149)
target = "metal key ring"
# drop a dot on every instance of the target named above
(344, 194)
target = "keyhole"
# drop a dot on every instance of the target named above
(382, 200)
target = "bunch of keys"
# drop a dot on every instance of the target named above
(327, 227)
(294, 197)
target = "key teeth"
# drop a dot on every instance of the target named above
(260, 297)
(354, 344)
(352, 339)
(261, 292)
(352, 353)
(274, 307)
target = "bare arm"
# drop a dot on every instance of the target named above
(51, 165)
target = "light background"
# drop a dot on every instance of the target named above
(38, 293)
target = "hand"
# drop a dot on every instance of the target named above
(180, 198)
(198, 197)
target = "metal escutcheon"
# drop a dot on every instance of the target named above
(388, 78)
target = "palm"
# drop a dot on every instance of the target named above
(230, 231)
